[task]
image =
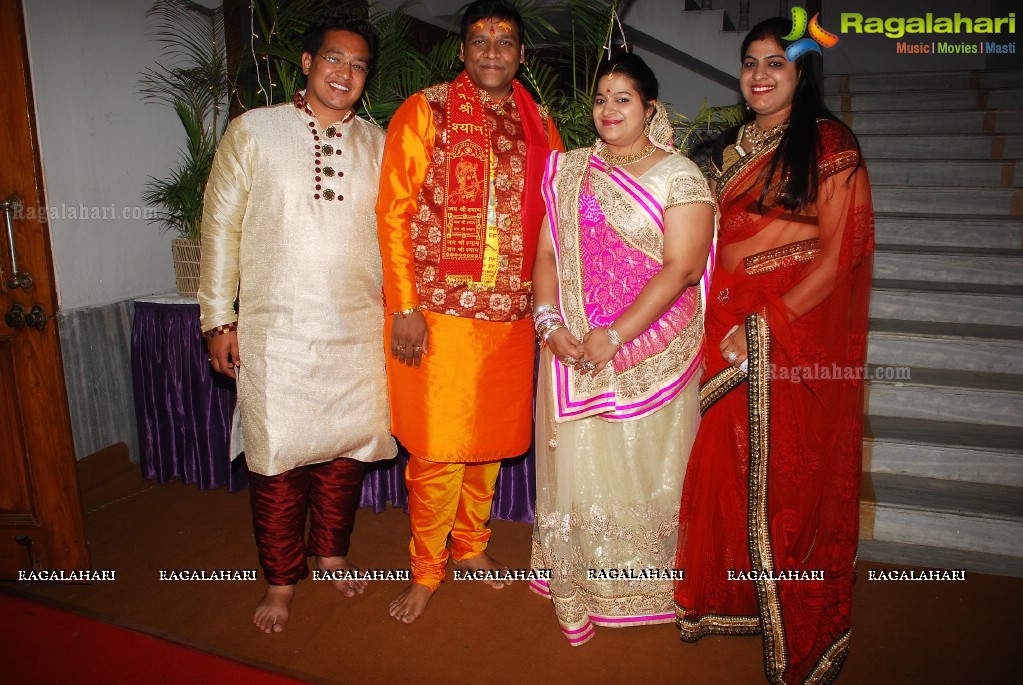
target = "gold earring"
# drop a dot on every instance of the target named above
(646, 128)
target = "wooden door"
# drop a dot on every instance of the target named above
(41, 523)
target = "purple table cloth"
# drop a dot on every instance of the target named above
(184, 410)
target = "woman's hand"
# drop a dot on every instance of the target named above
(733, 346)
(409, 338)
(565, 347)
(598, 350)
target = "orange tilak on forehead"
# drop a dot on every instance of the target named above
(492, 26)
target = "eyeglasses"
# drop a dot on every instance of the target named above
(337, 62)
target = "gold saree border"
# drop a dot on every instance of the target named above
(713, 624)
(758, 337)
(758, 343)
(769, 260)
(720, 385)
(831, 662)
(742, 168)
(846, 159)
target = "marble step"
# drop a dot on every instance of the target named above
(955, 346)
(954, 122)
(978, 201)
(946, 395)
(874, 554)
(938, 173)
(976, 517)
(923, 80)
(948, 264)
(943, 449)
(899, 102)
(941, 146)
(949, 302)
(896, 228)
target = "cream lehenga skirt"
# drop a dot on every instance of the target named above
(607, 501)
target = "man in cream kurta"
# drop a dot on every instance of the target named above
(289, 228)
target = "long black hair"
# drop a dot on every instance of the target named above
(800, 146)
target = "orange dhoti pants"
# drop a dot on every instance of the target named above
(445, 500)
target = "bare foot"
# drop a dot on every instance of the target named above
(349, 587)
(407, 606)
(273, 610)
(492, 567)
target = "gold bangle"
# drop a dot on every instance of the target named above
(220, 330)
(612, 334)
(405, 312)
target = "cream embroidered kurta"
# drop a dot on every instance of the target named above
(307, 274)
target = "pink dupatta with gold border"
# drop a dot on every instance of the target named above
(607, 228)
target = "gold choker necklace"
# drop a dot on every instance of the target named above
(613, 159)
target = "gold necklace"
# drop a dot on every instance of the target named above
(497, 105)
(613, 159)
(757, 138)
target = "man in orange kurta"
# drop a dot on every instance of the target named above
(458, 216)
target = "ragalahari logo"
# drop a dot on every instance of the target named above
(818, 36)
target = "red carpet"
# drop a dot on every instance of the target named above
(41, 644)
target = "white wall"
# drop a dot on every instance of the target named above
(99, 144)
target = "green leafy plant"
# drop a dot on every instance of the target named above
(563, 71)
(270, 69)
(695, 136)
(191, 77)
(401, 69)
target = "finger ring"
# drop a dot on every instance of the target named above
(732, 356)
(568, 360)
(588, 365)
(416, 348)
(400, 348)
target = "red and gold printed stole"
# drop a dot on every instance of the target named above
(467, 181)
(608, 236)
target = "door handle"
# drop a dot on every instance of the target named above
(18, 279)
(17, 318)
(36, 318)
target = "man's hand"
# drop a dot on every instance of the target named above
(408, 338)
(224, 353)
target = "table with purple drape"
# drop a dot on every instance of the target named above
(184, 413)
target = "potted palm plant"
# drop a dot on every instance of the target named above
(191, 77)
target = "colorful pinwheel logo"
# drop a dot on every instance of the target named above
(818, 36)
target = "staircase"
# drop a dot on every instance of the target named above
(707, 35)
(943, 451)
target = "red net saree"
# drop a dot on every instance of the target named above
(769, 514)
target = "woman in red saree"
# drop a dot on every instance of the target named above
(770, 504)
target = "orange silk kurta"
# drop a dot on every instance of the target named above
(471, 399)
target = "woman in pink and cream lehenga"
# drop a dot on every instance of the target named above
(618, 300)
